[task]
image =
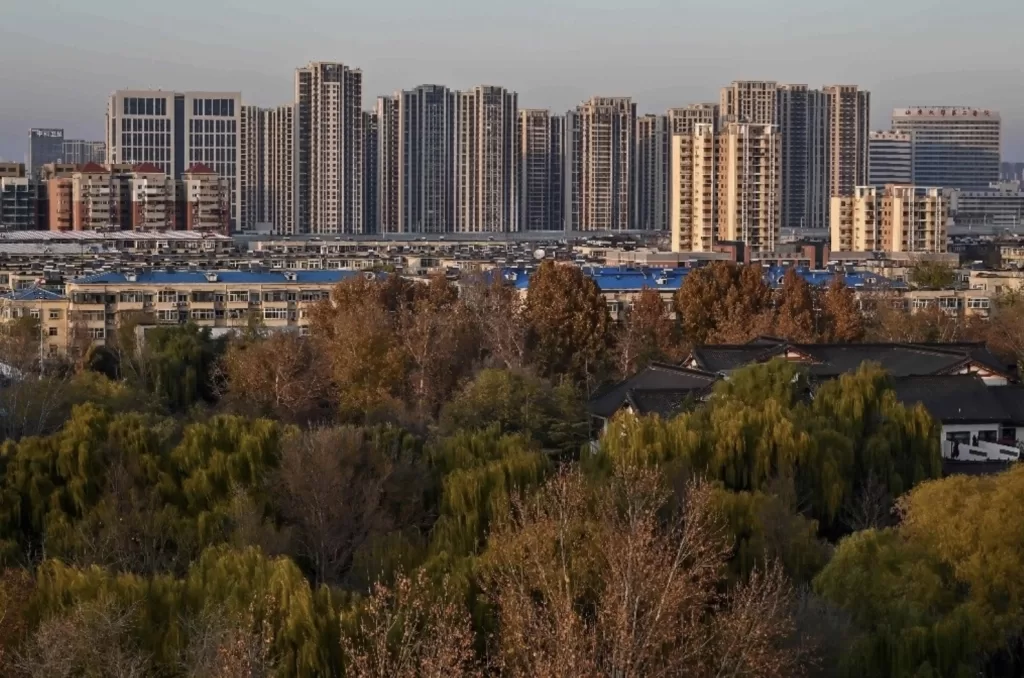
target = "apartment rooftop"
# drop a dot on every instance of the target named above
(314, 277)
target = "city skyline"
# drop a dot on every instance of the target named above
(553, 56)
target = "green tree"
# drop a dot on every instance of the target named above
(932, 275)
(175, 363)
(569, 326)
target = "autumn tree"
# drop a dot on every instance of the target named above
(496, 308)
(1005, 331)
(279, 376)
(601, 584)
(645, 334)
(841, 320)
(892, 321)
(407, 630)
(795, 313)
(354, 331)
(569, 325)
(339, 488)
(439, 338)
(724, 303)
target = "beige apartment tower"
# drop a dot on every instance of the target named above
(683, 119)
(749, 184)
(329, 118)
(692, 193)
(750, 101)
(267, 169)
(541, 170)
(600, 146)
(892, 218)
(486, 186)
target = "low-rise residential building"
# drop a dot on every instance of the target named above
(894, 218)
(48, 308)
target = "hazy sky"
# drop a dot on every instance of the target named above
(62, 58)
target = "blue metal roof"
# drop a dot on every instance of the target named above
(228, 277)
(33, 294)
(611, 279)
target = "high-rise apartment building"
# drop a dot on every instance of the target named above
(252, 167)
(45, 146)
(428, 118)
(389, 144)
(280, 199)
(175, 130)
(203, 200)
(954, 147)
(889, 219)
(148, 198)
(486, 186)
(371, 135)
(541, 170)
(683, 119)
(80, 152)
(651, 172)
(749, 184)
(890, 158)
(330, 136)
(18, 198)
(801, 113)
(750, 101)
(693, 204)
(600, 145)
(848, 112)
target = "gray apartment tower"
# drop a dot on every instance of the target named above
(371, 135)
(600, 147)
(541, 170)
(389, 144)
(651, 173)
(486, 181)
(953, 147)
(427, 121)
(801, 121)
(329, 97)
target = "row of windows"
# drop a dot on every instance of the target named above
(145, 125)
(146, 139)
(211, 126)
(213, 140)
(145, 106)
(222, 107)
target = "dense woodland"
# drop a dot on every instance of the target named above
(412, 491)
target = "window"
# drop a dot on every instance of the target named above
(275, 313)
(97, 332)
(52, 331)
(34, 312)
(54, 314)
(166, 296)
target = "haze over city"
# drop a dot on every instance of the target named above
(67, 58)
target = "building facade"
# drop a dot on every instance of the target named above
(252, 157)
(541, 170)
(486, 180)
(683, 119)
(329, 99)
(849, 123)
(45, 146)
(693, 206)
(428, 119)
(749, 184)
(175, 130)
(80, 152)
(389, 144)
(371, 172)
(890, 219)
(600, 147)
(801, 114)
(204, 201)
(750, 101)
(18, 198)
(954, 147)
(890, 158)
(651, 172)
(998, 207)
